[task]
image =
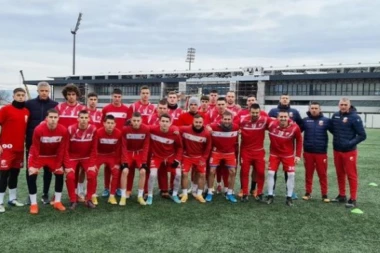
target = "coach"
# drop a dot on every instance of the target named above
(348, 131)
(38, 108)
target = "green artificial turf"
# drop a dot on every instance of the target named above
(214, 227)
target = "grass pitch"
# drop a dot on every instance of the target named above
(216, 227)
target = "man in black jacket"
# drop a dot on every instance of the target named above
(38, 108)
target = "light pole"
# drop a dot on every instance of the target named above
(74, 33)
(190, 56)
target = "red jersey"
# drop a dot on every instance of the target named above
(119, 112)
(48, 143)
(154, 120)
(235, 109)
(96, 117)
(185, 119)
(136, 140)
(253, 133)
(174, 114)
(245, 113)
(215, 117)
(146, 110)
(165, 145)
(13, 122)
(223, 141)
(211, 108)
(282, 139)
(68, 114)
(82, 143)
(109, 144)
(195, 144)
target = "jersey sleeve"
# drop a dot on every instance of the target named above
(298, 137)
(94, 148)
(35, 149)
(144, 155)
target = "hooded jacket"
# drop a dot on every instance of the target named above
(315, 133)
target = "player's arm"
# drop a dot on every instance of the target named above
(208, 146)
(358, 127)
(178, 148)
(94, 149)
(34, 153)
(298, 137)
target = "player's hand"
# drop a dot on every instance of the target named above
(32, 171)
(176, 132)
(175, 164)
(59, 171)
(69, 170)
(297, 159)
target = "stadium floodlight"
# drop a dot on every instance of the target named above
(190, 56)
(74, 33)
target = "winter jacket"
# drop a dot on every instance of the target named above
(315, 133)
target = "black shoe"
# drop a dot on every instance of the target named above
(89, 204)
(351, 203)
(27, 202)
(339, 199)
(259, 198)
(244, 198)
(270, 199)
(45, 199)
(289, 201)
(73, 205)
(170, 192)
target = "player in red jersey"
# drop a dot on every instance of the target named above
(135, 148)
(109, 153)
(187, 118)
(234, 108)
(96, 115)
(246, 113)
(143, 106)
(68, 111)
(224, 141)
(162, 108)
(203, 108)
(196, 150)
(47, 150)
(81, 151)
(167, 150)
(120, 111)
(174, 110)
(213, 100)
(285, 147)
(252, 150)
(13, 122)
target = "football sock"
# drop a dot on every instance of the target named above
(2, 197)
(80, 188)
(58, 196)
(194, 188)
(33, 199)
(140, 193)
(199, 192)
(229, 191)
(184, 191)
(123, 193)
(270, 182)
(210, 191)
(152, 179)
(177, 182)
(290, 184)
(12, 194)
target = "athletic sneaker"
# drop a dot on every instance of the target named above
(184, 198)
(106, 193)
(244, 198)
(260, 197)
(112, 200)
(176, 199)
(339, 199)
(231, 198)
(209, 197)
(351, 203)
(141, 201)
(149, 200)
(89, 204)
(325, 199)
(45, 199)
(307, 196)
(15, 203)
(94, 200)
(73, 205)
(123, 201)
(2, 209)
(33, 209)
(80, 198)
(270, 199)
(59, 206)
(289, 201)
(200, 198)
(118, 192)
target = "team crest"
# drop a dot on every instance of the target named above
(351, 158)
(324, 161)
(321, 122)
(345, 120)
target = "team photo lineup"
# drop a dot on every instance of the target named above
(197, 151)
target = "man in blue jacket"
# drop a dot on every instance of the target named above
(315, 127)
(284, 104)
(38, 108)
(348, 131)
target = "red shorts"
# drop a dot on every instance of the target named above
(198, 163)
(108, 161)
(216, 158)
(134, 159)
(288, 163)
(156, 162)
(49, 162)
(11, 159)
(84, 163)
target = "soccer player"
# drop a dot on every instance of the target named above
(224, 141)
(213, 100)
(252, 150)
(203, 109)
(196, 150)
(38, 108)
(187, 118)
(284, 105)
(135, 149)
(13, 121)
(285, 147)
(96, 116)
(246, 113)
(48, 149)
(231, 97)
(120, 111)
(162, 108)
(81, 152)
(315, 127)
(174, 110)
(348, 132)
(109, 153)
(167, 150)
(143, 106)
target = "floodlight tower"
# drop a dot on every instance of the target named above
(74, 33)
(190, 56)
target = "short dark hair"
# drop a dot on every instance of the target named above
(206, 98)
(227, 113)
(165, 115)
(136, 114)
(172, 93)
(284, 94)
(18, 90)
(197, 116)
(83, 112)
(214, 91)
(52, 110)
(251, 95)
(163, 101)
(284, 111)
(255, 106)
(109, 116)
(117, 91)
(70, 87)
(315, 103)
(144, 87)
(231, 91)
(222, 99)
(92, 94)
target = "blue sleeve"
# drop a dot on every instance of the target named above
(358, 127)
(330, 125)
(273, 113)
(298, 118)
(302, 128)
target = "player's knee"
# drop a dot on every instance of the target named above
(142, 172)
(231, 171)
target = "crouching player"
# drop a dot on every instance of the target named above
(224, 141)
(81, 151)
(109, 153)
(196, 150)
(48, 148)
(166, 146)
(135, 152)
(285, 147)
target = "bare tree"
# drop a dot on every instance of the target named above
(5, 97)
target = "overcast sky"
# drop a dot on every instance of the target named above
(135, 35)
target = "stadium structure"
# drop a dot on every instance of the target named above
(324, 83)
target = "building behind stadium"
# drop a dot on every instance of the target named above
(325, 84)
